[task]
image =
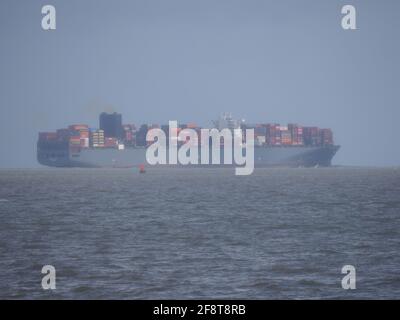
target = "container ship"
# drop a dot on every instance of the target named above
(117, 145)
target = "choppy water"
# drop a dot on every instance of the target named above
(200, 233)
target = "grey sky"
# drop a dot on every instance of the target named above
(186, 60)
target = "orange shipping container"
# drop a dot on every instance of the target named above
(78, 127)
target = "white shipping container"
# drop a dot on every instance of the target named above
(260, 140)
(85, 142)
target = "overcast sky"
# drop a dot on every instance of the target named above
(189, 60)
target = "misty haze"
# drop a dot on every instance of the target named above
(265, 61)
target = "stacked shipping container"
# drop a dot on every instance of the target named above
(129, 134)
(110, 142)
(271, 134)
(326, 137)
(311, 136)
(82, 131)
(97, 139)
(296, 132)
(273, 137)
(286, 136)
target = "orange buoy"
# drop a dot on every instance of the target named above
(141, 168)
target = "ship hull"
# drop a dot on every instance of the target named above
(290, 156)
